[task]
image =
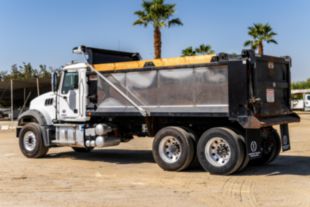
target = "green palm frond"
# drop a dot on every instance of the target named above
(204, 49)
(175, 22)
(272, 41)
(189, 51)
(143, 18)
(248, 43)
(260, 33)
(158, 13)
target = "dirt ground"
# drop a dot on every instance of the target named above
(127, 176)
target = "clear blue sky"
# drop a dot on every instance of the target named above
(44, 32)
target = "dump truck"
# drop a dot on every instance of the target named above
(215, 110)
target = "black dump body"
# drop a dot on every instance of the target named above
(249, 89)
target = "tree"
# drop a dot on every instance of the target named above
(44, 72)
(204, 49)
(159, 14)
(188, 52)
(301, 84)
(28, 71)
(15, 73)
(3, 75)
(260, 33)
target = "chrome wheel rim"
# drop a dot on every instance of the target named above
(217, 151)
(170, 149)
(30, 141)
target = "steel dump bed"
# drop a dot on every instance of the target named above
(198, 90)
(253, 90)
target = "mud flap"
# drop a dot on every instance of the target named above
(253, 143)
(285, 137)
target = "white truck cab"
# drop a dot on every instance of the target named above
(63, 111)
(68, 101)
(72, 94)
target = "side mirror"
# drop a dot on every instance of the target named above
(54, 80)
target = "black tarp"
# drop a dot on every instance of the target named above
(99, 56)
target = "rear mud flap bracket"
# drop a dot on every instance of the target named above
(285, 137)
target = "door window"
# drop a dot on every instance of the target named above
(70, 82)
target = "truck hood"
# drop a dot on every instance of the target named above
(41, 100)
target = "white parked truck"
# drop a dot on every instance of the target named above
(217, 109)
(300, 99)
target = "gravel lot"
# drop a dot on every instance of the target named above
(127, 176)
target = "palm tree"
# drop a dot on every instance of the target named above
(188, 52)
(260, 33)
(159, 14)
(204, 49)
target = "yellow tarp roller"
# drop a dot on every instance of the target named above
(164, 62)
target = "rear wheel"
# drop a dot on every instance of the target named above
(220, 151)
(271, 145)
(173, 149)
(31, 142)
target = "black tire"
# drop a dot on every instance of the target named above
(271, 148)
(228, 140)
(246, 159)
(31, 142)
(182, 143)
(195, 162)
(82, 150)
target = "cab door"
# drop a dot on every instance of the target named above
(68, 99)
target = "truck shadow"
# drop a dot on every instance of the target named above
(283, 165)
(117, 156)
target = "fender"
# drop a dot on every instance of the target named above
(32, 114)
(37, 117)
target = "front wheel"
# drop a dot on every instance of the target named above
(220, 151)
(31, 142)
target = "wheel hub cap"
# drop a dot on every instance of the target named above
(217, 151)
(170, 149)
(30, 141)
